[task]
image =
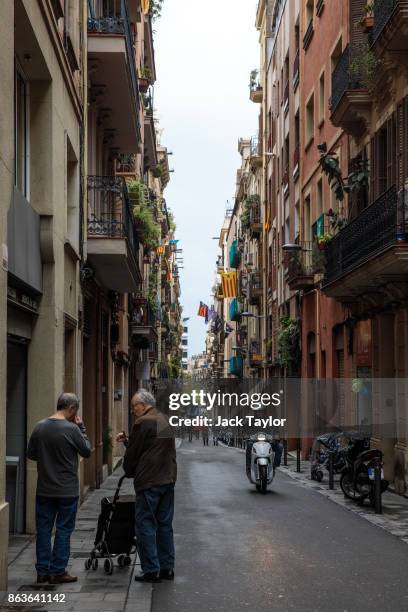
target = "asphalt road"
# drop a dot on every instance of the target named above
(291, 549)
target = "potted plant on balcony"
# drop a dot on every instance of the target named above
(324, 240)
(367, 20)
(145, 78)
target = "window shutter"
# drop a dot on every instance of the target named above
(357, 36)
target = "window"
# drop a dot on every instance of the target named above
(185, 354)
(185, 330)
(307, 224)
(296, 221)
(72, 196)
(21, 134)
(336, 55)
(319, 199)
(309, 127)
(184, 342)
(321, 98)
(309, 11)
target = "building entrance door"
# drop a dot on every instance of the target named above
(16, 432)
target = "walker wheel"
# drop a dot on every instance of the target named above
(88, 563)
(108, 567)
(127, 560)
(94, 564)
(121, 560)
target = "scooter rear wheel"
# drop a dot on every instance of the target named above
(347, 486)
(263, 477)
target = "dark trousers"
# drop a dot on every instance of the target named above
(60, 511)
(154, 528)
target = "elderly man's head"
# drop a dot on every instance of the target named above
(68, 404)
(142, 401)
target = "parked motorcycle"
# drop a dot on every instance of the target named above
(324, 446)
(262, 457)
(358, 476)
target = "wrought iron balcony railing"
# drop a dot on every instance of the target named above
(255, 288)
(301, 265)
(383, 10)
(142, 314)
(373, 231)
(345, 76)
(109, 214)
(110, 23)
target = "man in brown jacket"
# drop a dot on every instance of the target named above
(150, 458)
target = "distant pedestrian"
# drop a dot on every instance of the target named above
(205, 437)
(150, 459)
(55, 445)
(215, 439)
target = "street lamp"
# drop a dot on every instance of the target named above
(251, 315)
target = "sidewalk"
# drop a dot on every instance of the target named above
(394, 517)
(94, 589)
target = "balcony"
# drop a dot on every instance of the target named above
(255, 157)
(255, 88)
(255, 288)
(235, 310)
(125, 165)
(350, 101)
(142, 324)
(300, 266)
(390, 25)
(370, 251)
(255, 221)
(234, 255)
(220, 264)
(255, 354)
(111, 58)
(236, 366)
(113, 247)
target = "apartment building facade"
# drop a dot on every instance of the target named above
(89, 279)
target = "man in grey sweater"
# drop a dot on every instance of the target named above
(55, 445)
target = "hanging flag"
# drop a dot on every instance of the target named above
(202, 309)
(229, 284)
(173, 241)
(211, 314)
(145, 6)
(160, 250)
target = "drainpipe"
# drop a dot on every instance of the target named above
(318, 347)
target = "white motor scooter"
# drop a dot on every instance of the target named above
(260, 456)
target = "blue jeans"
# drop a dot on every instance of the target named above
(62, 512)
(154, 528)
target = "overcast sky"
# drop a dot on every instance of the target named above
(204, 54)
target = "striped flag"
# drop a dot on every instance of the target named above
(160, 250)
(229, 284)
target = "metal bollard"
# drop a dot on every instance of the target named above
(298, 455)
(377, 487)
(285, 453)
(331, 471)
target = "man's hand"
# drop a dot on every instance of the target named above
(78, 420)
(121, 437)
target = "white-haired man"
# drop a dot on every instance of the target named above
(150, 459)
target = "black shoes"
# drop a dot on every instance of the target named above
(42, 579)
(147, 577)
(167, 574)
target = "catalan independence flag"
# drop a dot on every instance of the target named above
(229, 284)
(160, 250)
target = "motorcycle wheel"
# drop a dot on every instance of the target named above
(347, 486)
(319, 476)
(263, 477)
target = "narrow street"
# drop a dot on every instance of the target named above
(289, 550)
